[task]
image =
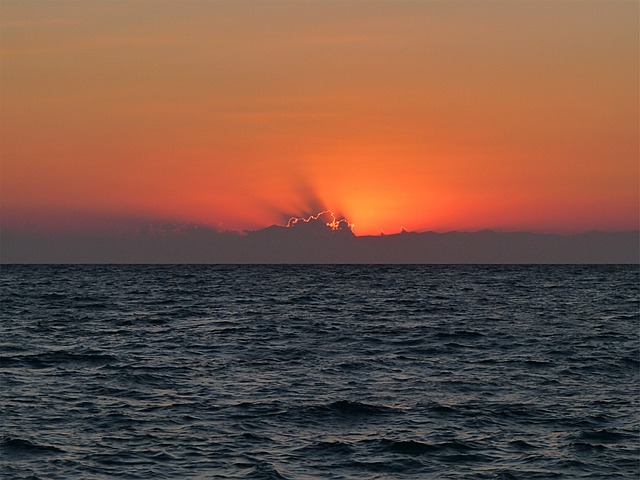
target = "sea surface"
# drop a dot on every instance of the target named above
(319, 372)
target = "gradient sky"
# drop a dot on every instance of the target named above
(427, 115)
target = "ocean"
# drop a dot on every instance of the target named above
(319, 372)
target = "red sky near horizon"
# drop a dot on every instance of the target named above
(425, 115)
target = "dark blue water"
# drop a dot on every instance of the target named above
(319, 372)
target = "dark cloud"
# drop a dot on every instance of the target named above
(312, 242)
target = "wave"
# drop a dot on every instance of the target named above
(56, 359)
(335, 447)
(605, 436)
(415, 447)
(264, 471)
(587, 447)
(17, 446)
(467, 334)
(350, 408)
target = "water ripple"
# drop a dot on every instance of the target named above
(332, 372)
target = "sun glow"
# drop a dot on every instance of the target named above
(277, 116)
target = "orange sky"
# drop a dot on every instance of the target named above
(425, 115)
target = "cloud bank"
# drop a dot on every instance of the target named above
(320, 238)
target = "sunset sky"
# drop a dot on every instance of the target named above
(423, 115)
